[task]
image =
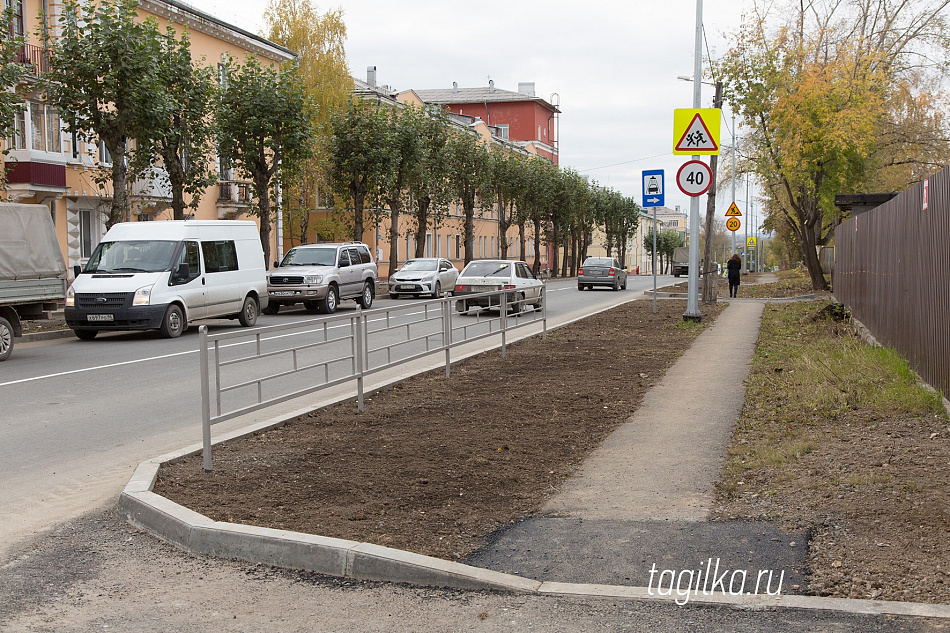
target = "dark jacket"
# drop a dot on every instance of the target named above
(733, 266)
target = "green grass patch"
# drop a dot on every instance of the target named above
(811, 378)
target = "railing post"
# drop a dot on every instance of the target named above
(360, 346)
(447, 334)
(205, 397)
(503, 306)
(544, 310)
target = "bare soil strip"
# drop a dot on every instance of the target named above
(433, 465)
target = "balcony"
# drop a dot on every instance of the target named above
(235, 198)
(35, 57)
(30, 178)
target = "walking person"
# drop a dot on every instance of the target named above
(734, 266)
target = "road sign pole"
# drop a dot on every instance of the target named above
(692, 298)
(734, 173)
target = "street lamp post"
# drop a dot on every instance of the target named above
(692, 298)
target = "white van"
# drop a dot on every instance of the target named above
(164, 275)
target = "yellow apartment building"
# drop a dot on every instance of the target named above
(46, 165)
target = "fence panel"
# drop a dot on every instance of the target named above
(892, 269)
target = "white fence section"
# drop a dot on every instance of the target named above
(246, 370)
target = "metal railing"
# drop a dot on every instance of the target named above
(892, 270)
(243, 371)
(36, 57)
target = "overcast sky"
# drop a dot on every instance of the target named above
(613, 65)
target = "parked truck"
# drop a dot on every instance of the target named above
(680, 261)
(32, 269)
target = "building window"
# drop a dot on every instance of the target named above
(54, 135)
(493, 253)
(18, 140)
(86, 239)
(105, 157)
(428, 244)
(458, 247)
(503, 131)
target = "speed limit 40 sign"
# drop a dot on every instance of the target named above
(694, 178)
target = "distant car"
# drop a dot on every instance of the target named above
(423, 276)
(485, 275)
(319, 275)
(601, 271)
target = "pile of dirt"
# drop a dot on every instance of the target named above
(435, 465)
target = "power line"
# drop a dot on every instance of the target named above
(626, 162)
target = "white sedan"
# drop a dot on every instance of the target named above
(487, 275)
(423, 276)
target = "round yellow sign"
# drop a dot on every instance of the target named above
(733, 224)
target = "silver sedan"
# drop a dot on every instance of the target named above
(423, 276)
(601, 271)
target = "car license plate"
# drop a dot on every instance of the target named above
(407, 287)
(100, 317)
(282, 293)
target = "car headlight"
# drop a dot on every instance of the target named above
(313, 279)
(70, 298)
(142, 296)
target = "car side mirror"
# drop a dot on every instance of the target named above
(77, 270)
(344, 263)
(183, 272)
(276, 264)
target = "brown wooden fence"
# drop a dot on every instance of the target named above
(892, 268)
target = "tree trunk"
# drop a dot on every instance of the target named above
(263, 209)
(394, 210)
(522, 241)
(422, 224)
(555, 240)
(537, 247)
(119, 210)
(810, 257)
(358, 216)
(468, 208)
(503, 224)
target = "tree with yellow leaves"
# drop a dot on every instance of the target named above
(838, 98)
(317, 39)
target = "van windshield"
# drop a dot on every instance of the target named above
(140, 256)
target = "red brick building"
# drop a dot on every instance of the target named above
(519, 117)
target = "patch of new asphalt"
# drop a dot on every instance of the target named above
(643, 498)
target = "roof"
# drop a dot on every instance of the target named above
(484, 94)
(178, 11)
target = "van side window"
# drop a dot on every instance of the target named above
(189, 255)
(220, 256)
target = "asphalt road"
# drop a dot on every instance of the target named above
(77, 416)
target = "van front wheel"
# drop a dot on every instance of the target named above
(249, 312)
(173, 323)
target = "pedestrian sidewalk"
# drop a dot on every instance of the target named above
(645, 495)
(662, 464)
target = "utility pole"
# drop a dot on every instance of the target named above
(735, 174)
(709, 272)
(692, 297)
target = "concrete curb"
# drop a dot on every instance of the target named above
(199, 534)
(44, 336)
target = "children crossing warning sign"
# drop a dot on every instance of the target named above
(696, 131)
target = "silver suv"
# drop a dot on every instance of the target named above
(320, 275)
